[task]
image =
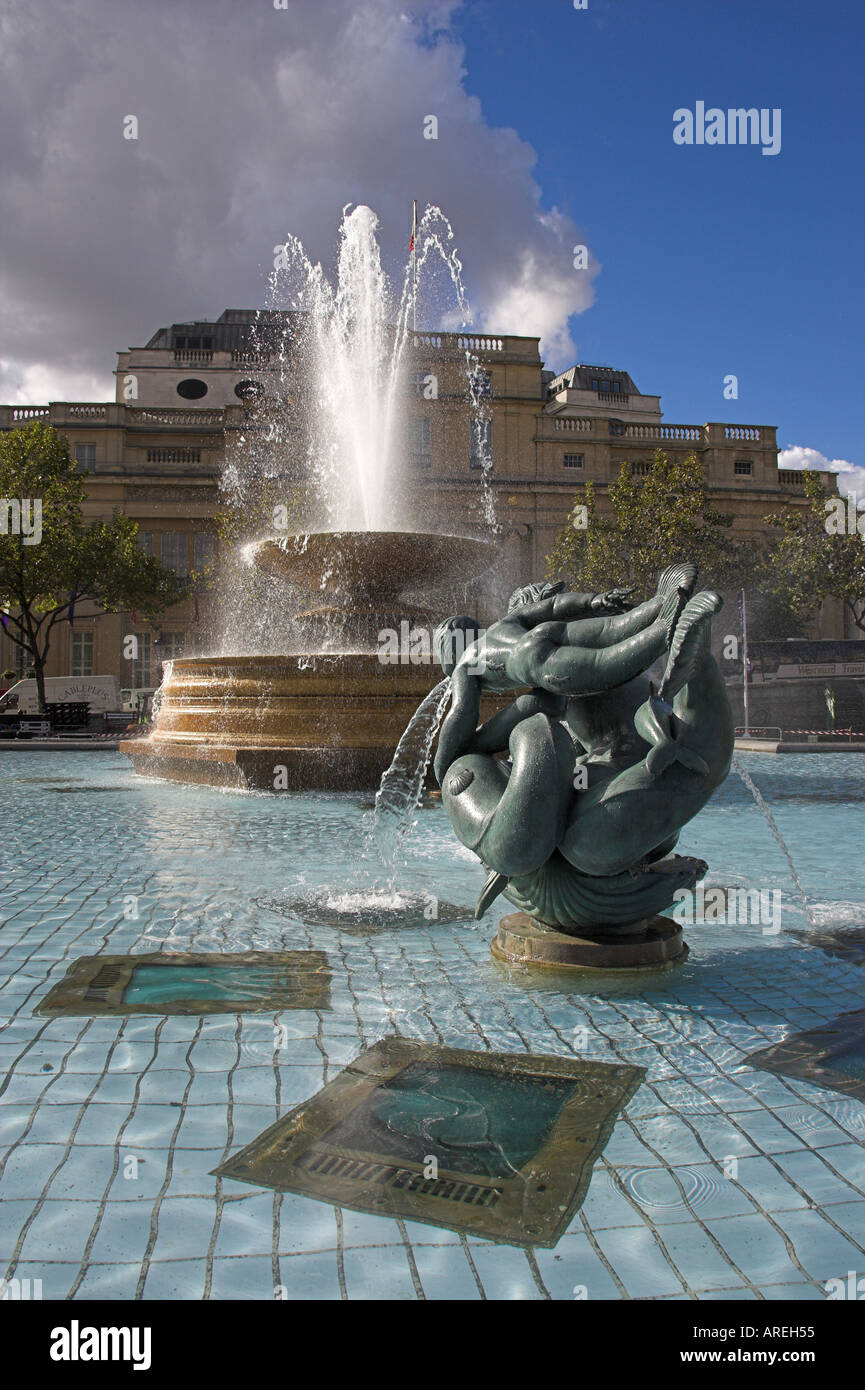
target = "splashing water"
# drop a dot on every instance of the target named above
(400, 788)
(329, 438)
(371, 897)
(770, 820)
(159, 693)
(354, 337)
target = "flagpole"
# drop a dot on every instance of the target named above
(745, 662)
(414, 266)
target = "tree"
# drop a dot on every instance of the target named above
(816, 556)
(65, 561)
(657, 518)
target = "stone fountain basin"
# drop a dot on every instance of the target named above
(372, 565)
(328, 722)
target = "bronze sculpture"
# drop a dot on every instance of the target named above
(573, 796)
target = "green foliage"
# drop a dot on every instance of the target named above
(655, 520)
(74, 561)
(807, 563)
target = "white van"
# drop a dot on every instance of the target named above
(137, 699)
(100, 693)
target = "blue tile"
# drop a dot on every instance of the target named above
(639, 1262)
(381, 1273)
(504, 1272)
(822, 1251)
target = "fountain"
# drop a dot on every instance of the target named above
(321, 705)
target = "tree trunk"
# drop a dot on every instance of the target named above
(858, 618)
(39, 667)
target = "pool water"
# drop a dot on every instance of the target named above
(154, 984)
(851, 1061)
(718, 1180)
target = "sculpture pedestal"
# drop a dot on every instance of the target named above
(654, 943)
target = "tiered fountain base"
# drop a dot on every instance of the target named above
(281, 723)
(324, 722)
(650, 944)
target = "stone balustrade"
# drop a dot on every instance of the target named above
(171, 416)
(455, 343)
(575, 424)
(665, 433)
(748, 433)
(60, 413)
(193, 357)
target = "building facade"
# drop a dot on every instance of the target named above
(519, 453)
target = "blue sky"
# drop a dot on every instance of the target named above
(715, 260)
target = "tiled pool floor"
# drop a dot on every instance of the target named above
(719, 1181)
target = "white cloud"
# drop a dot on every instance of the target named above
(799, 456)
(253, 123)
(36, 383)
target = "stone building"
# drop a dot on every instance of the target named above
(529, 441)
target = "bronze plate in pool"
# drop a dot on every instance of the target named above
(832, 1055)
(495, 1144)
(192, 983)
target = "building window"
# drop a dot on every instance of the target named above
(145, 542)
(142, 663)
(85, 455)
(573, 461)
(202, 550)
(192, 389)
(744, 467)
(481, 445)
(480, 384)
(596, 385)
(419, 451)
(417, 381)
(173, 455)
(168, 646)
(174, 552)
(617, 386)
(617, 427)
(249, 390)
(81, 654)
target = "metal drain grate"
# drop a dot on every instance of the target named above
(494, 1144)
(400, 1178)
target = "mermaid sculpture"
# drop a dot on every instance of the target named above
(574, 794)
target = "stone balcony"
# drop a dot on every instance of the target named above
(702, 435)
(62, 414)
(488, 346)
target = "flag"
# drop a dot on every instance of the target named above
(413, 227)
(5, 617)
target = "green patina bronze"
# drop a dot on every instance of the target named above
(184, 982)
(495, 1144)
(573, 796)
